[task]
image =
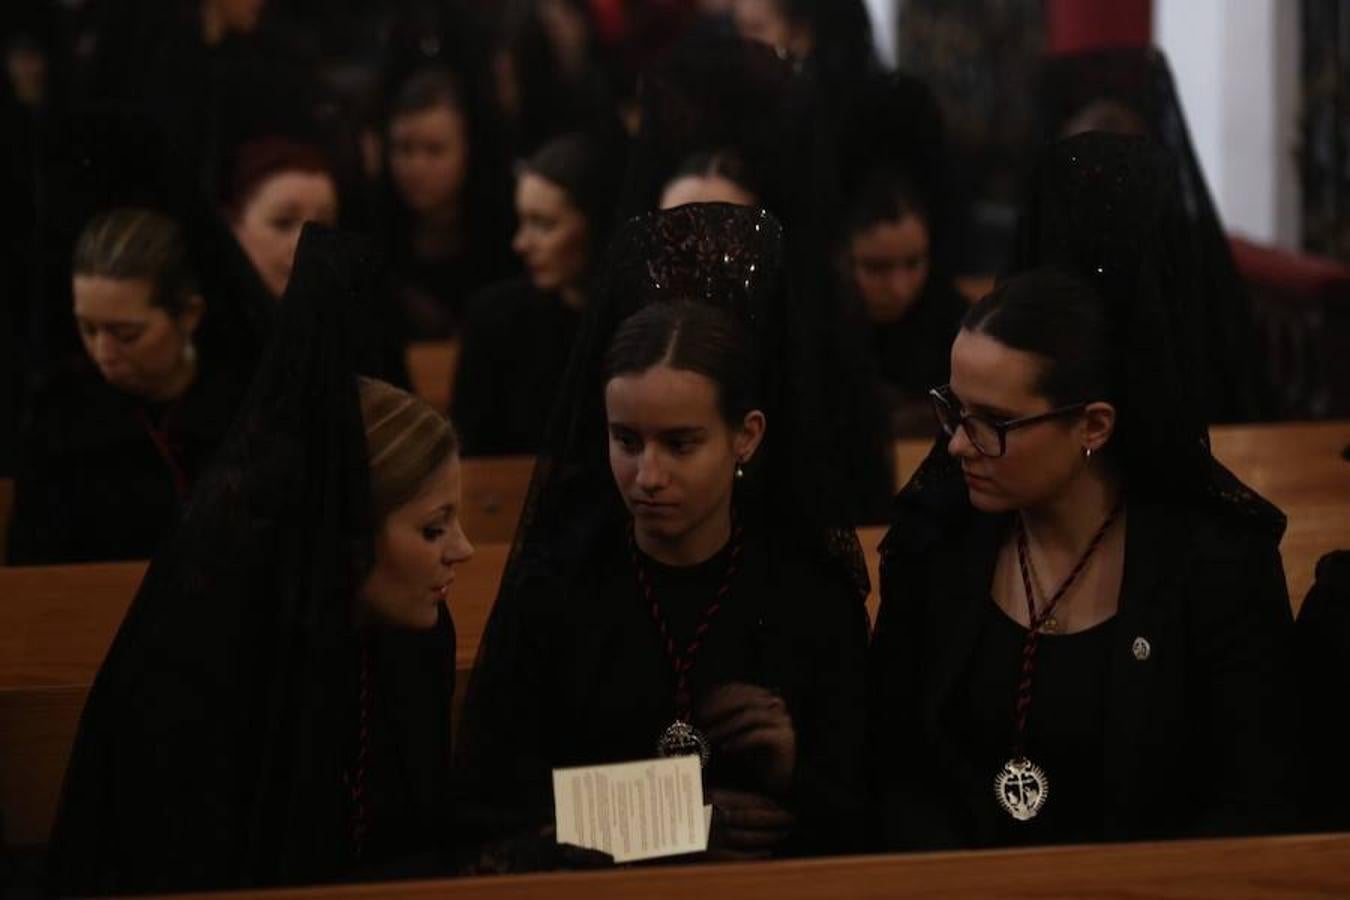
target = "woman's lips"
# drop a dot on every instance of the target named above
(979, 481)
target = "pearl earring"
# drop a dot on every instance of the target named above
(740, 470)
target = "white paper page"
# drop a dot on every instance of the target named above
(638, 810)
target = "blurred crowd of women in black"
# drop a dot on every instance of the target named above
(623, 215)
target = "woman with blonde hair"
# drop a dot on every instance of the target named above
(276, 706)
(118, 435)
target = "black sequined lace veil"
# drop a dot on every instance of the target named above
(1106, 207)
(714, 253)
(212, 748)
(725, 95)
(1234, 380)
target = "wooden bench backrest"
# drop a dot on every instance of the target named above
(56, 622)
(431, 370)
(47, 662)
(1236, 869)
(494, 495)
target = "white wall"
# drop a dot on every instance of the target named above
(884, 15)
(1236, 67)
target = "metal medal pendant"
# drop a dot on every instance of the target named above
(683, 739)
(1022, 788)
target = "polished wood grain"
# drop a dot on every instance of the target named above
(37, 729)
(494, 495)
(1240, 869)
(56, 622)
(431, 369)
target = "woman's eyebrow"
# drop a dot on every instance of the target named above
(983, 408)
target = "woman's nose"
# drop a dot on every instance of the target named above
(459, 549)
(650, 474)
(959, 444)
(105, 348)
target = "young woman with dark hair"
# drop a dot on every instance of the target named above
(276, 705)
(1074, 644)
(676, 584)
(913, 309)
(449, 203)
(117, 436)
(518, 334)
(711, 176)
(727, 120)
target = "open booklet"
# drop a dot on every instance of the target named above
(632, 811)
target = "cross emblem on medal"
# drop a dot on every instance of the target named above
(1022, 789)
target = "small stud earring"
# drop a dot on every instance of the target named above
(1087, 453)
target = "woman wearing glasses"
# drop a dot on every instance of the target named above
(1084, 624)
(1065, 653)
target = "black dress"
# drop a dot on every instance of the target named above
(913, 356)
(244, 730)
(1064, 730)
(95, 482)
(1323, 635)
(585, 680)
(431, 294)
(1187, 691)
(407, 812)
(516, 344)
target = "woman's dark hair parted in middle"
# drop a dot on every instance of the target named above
(885, 195)
(693, 337)
(1061, 319)
(425, 89)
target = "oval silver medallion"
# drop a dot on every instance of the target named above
(1021, 788)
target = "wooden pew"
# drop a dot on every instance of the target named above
(431, 369)
(1301, 468)
(57, 622)
(1235, 869)
(52, 644)
(494, 495)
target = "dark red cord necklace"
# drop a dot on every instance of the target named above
(356, 776)
(681, 738)
(159, 436)
(1022, 787)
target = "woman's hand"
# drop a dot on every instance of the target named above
(534, 851)
(748, 720)
(746, 825)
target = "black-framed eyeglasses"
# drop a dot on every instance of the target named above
(987, 435)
